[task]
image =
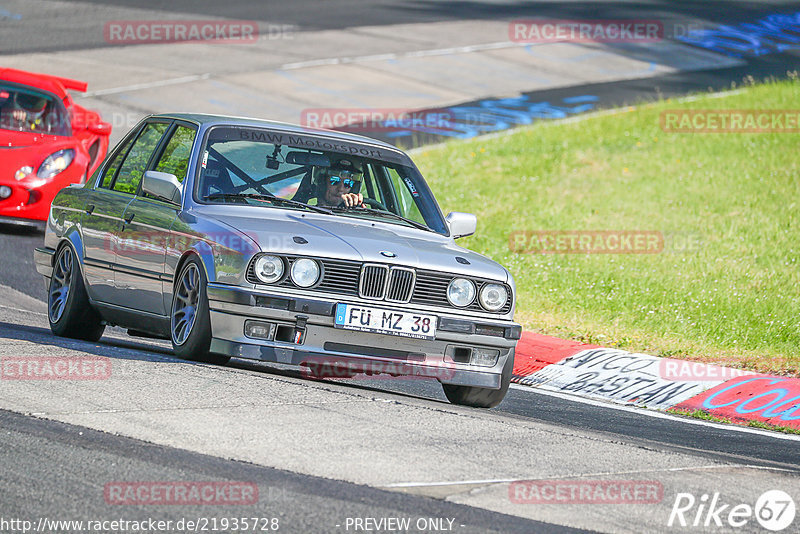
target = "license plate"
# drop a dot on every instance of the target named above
(382, 321)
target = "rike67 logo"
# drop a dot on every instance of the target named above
(774, 510)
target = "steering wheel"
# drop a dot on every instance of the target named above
(372, 203)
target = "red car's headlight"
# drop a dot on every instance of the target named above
(23, 172)
(55, 163)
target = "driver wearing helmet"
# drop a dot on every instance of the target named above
(338, 184)
(28, 111)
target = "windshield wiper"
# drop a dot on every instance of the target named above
(267, 198)
(393, 215)
(290, 202)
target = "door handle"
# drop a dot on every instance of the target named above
(89, 209)
(129, 218)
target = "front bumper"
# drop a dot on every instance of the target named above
(26, 223)
(31, 198)
(304, 335)
(43, 258)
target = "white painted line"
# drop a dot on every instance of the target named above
(544, 390)
(391, 57)
(22, 311)
(148, 85)
(311, 63)
(212, 407)
(581, 475)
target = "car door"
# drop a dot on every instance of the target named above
(100, 223)
(145, 234)
(126, 184)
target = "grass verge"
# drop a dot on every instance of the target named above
(726, 287)
(700, 414)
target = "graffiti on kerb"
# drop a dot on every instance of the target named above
(769, 35)
(497, 114)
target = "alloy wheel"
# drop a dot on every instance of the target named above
(60, 284)
(184, 310)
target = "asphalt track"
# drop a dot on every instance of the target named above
(59, 19)
(52, 470)
(58, 470)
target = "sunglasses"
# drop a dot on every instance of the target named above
(348, 182)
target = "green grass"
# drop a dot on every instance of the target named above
(734, 299)
(700, 414)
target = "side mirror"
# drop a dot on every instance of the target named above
(461, 224)
(100, 128)
(163, 186)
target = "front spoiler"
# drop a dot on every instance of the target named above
(26, 223)
(334, 366)
(43, 258)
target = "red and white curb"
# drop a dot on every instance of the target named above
(648, 381)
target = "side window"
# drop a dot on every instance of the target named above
(405, 193)
(132, 169)
(113, 165)
(175, 158)
(370, 188)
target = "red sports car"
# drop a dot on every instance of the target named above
(46, 143)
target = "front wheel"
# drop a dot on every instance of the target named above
(190, 323)
(481, 397)
(68, 308)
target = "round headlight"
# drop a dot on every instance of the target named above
(305, 272)
(5, 191)
(493, 296)
(269, 269)
(461, 292)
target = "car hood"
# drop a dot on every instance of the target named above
(349, 238)
(27, 149)
(19, 140)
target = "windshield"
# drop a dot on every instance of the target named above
(24, 109)
(252, 166)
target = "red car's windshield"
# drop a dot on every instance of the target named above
(24, 109)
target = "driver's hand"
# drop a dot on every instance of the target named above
(19, 115)
(353, 199)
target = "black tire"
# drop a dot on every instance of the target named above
(189, 320)
(68, 309)
(481, 397)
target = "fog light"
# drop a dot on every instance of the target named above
(484, 357)
(5, 191)
(259, 330)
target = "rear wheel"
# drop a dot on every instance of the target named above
(190, 324)
(481, 397)
(68, 308)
